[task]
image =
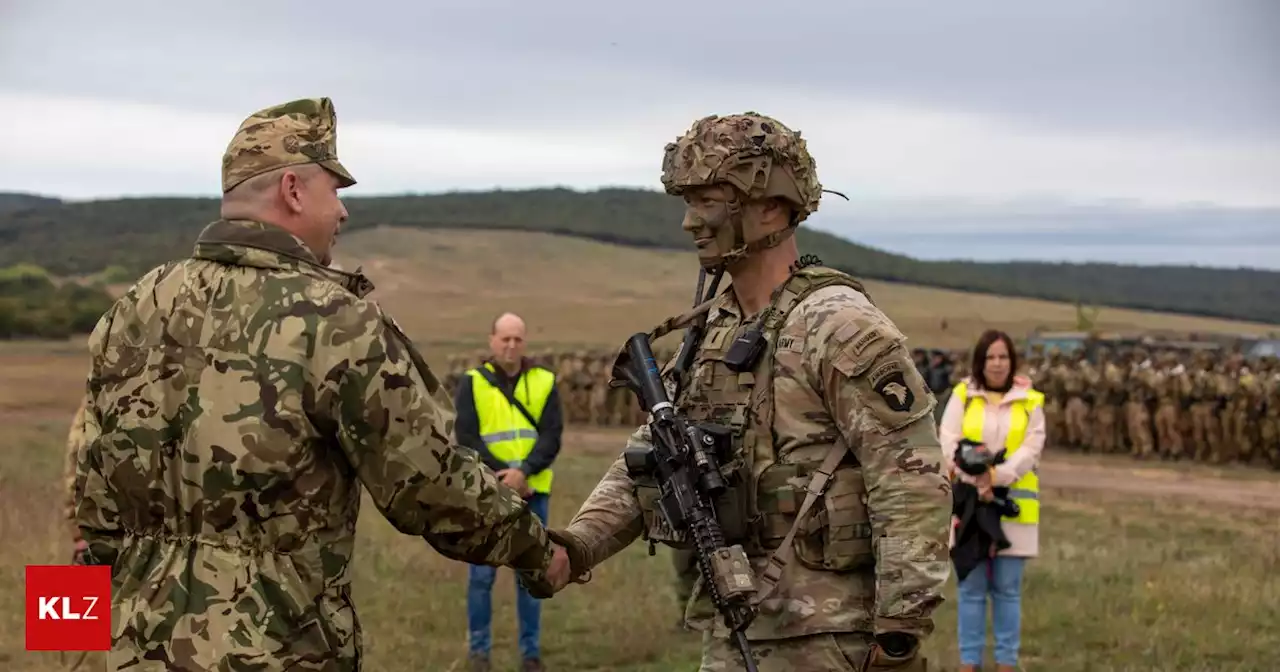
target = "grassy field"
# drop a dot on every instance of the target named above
(446, 287)
(1125, 582)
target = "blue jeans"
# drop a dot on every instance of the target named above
(1005, 588)
(480, 608)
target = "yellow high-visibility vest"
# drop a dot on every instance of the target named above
(503, 428)
(1026, 490)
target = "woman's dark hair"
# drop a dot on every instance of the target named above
(979, 363)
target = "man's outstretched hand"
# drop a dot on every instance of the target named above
(558, 574)
(543, 585)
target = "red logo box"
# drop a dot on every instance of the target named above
(68, 608)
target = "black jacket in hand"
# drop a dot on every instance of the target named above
(979, 527)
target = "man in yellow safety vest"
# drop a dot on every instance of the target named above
(509, 413)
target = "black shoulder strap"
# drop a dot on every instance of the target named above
(488, 375)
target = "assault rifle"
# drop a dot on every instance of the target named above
(685, 464)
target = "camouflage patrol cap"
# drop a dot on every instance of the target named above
(755, 153)
(294, 133)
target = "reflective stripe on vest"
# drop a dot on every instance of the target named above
(1025, 490)
(505, 431)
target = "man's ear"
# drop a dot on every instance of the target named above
(775, 214)
(291, 187)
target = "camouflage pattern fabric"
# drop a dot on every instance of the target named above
(237, 402)
(757, 154)
(827, 652)
(76, 660)
(293, 134)
(883, 411)
(75, 441)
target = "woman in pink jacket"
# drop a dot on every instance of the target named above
(1000, 409)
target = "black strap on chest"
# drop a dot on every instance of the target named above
(693, 335)
(493, 380)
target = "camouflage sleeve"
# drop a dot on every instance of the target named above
(610, 519)
(75, 439)
(883, 409)
(96, 513)
(393, 421)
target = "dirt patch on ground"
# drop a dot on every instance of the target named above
(1077, 474)
(1235, 486)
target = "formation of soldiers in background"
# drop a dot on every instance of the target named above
(1167, 405)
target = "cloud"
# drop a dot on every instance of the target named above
(979, 117)
(1202, 68)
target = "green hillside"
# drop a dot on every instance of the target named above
(10, 202)
(137, 233)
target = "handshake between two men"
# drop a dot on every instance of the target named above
(559, 571)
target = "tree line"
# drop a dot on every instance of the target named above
(33, 304)
(138, 233)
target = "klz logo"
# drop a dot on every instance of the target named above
(49, 609)
(68, 608)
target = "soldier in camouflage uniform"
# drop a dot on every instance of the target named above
(237, 402)
(1105, 383)
(1245, 409)
(1140, 395)
(1054, 398)
(1170, 386)
(1207, 431)
(835, 385)
(1269, 428)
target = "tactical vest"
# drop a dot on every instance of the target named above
(507, 434)
(1025, 490)
(764, 501)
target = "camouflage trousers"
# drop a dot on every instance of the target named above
(1168, 433)
(1269, 439)
(1138, 420)
(1106, 433)
(1077, 412)
(1207, 431)
(837, 652)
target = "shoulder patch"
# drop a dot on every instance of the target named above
(890, 382)
(855, 346)
(878, 367)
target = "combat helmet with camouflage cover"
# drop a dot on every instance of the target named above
(755, 154)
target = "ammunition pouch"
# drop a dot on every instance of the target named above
(835, 535)
(734, 508)
(656, 528)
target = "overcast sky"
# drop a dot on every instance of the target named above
(958, 129)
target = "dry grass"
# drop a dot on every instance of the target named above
(446, 287)
(1124, 584)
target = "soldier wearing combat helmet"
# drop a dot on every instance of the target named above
(238, 403)
(859, 566)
